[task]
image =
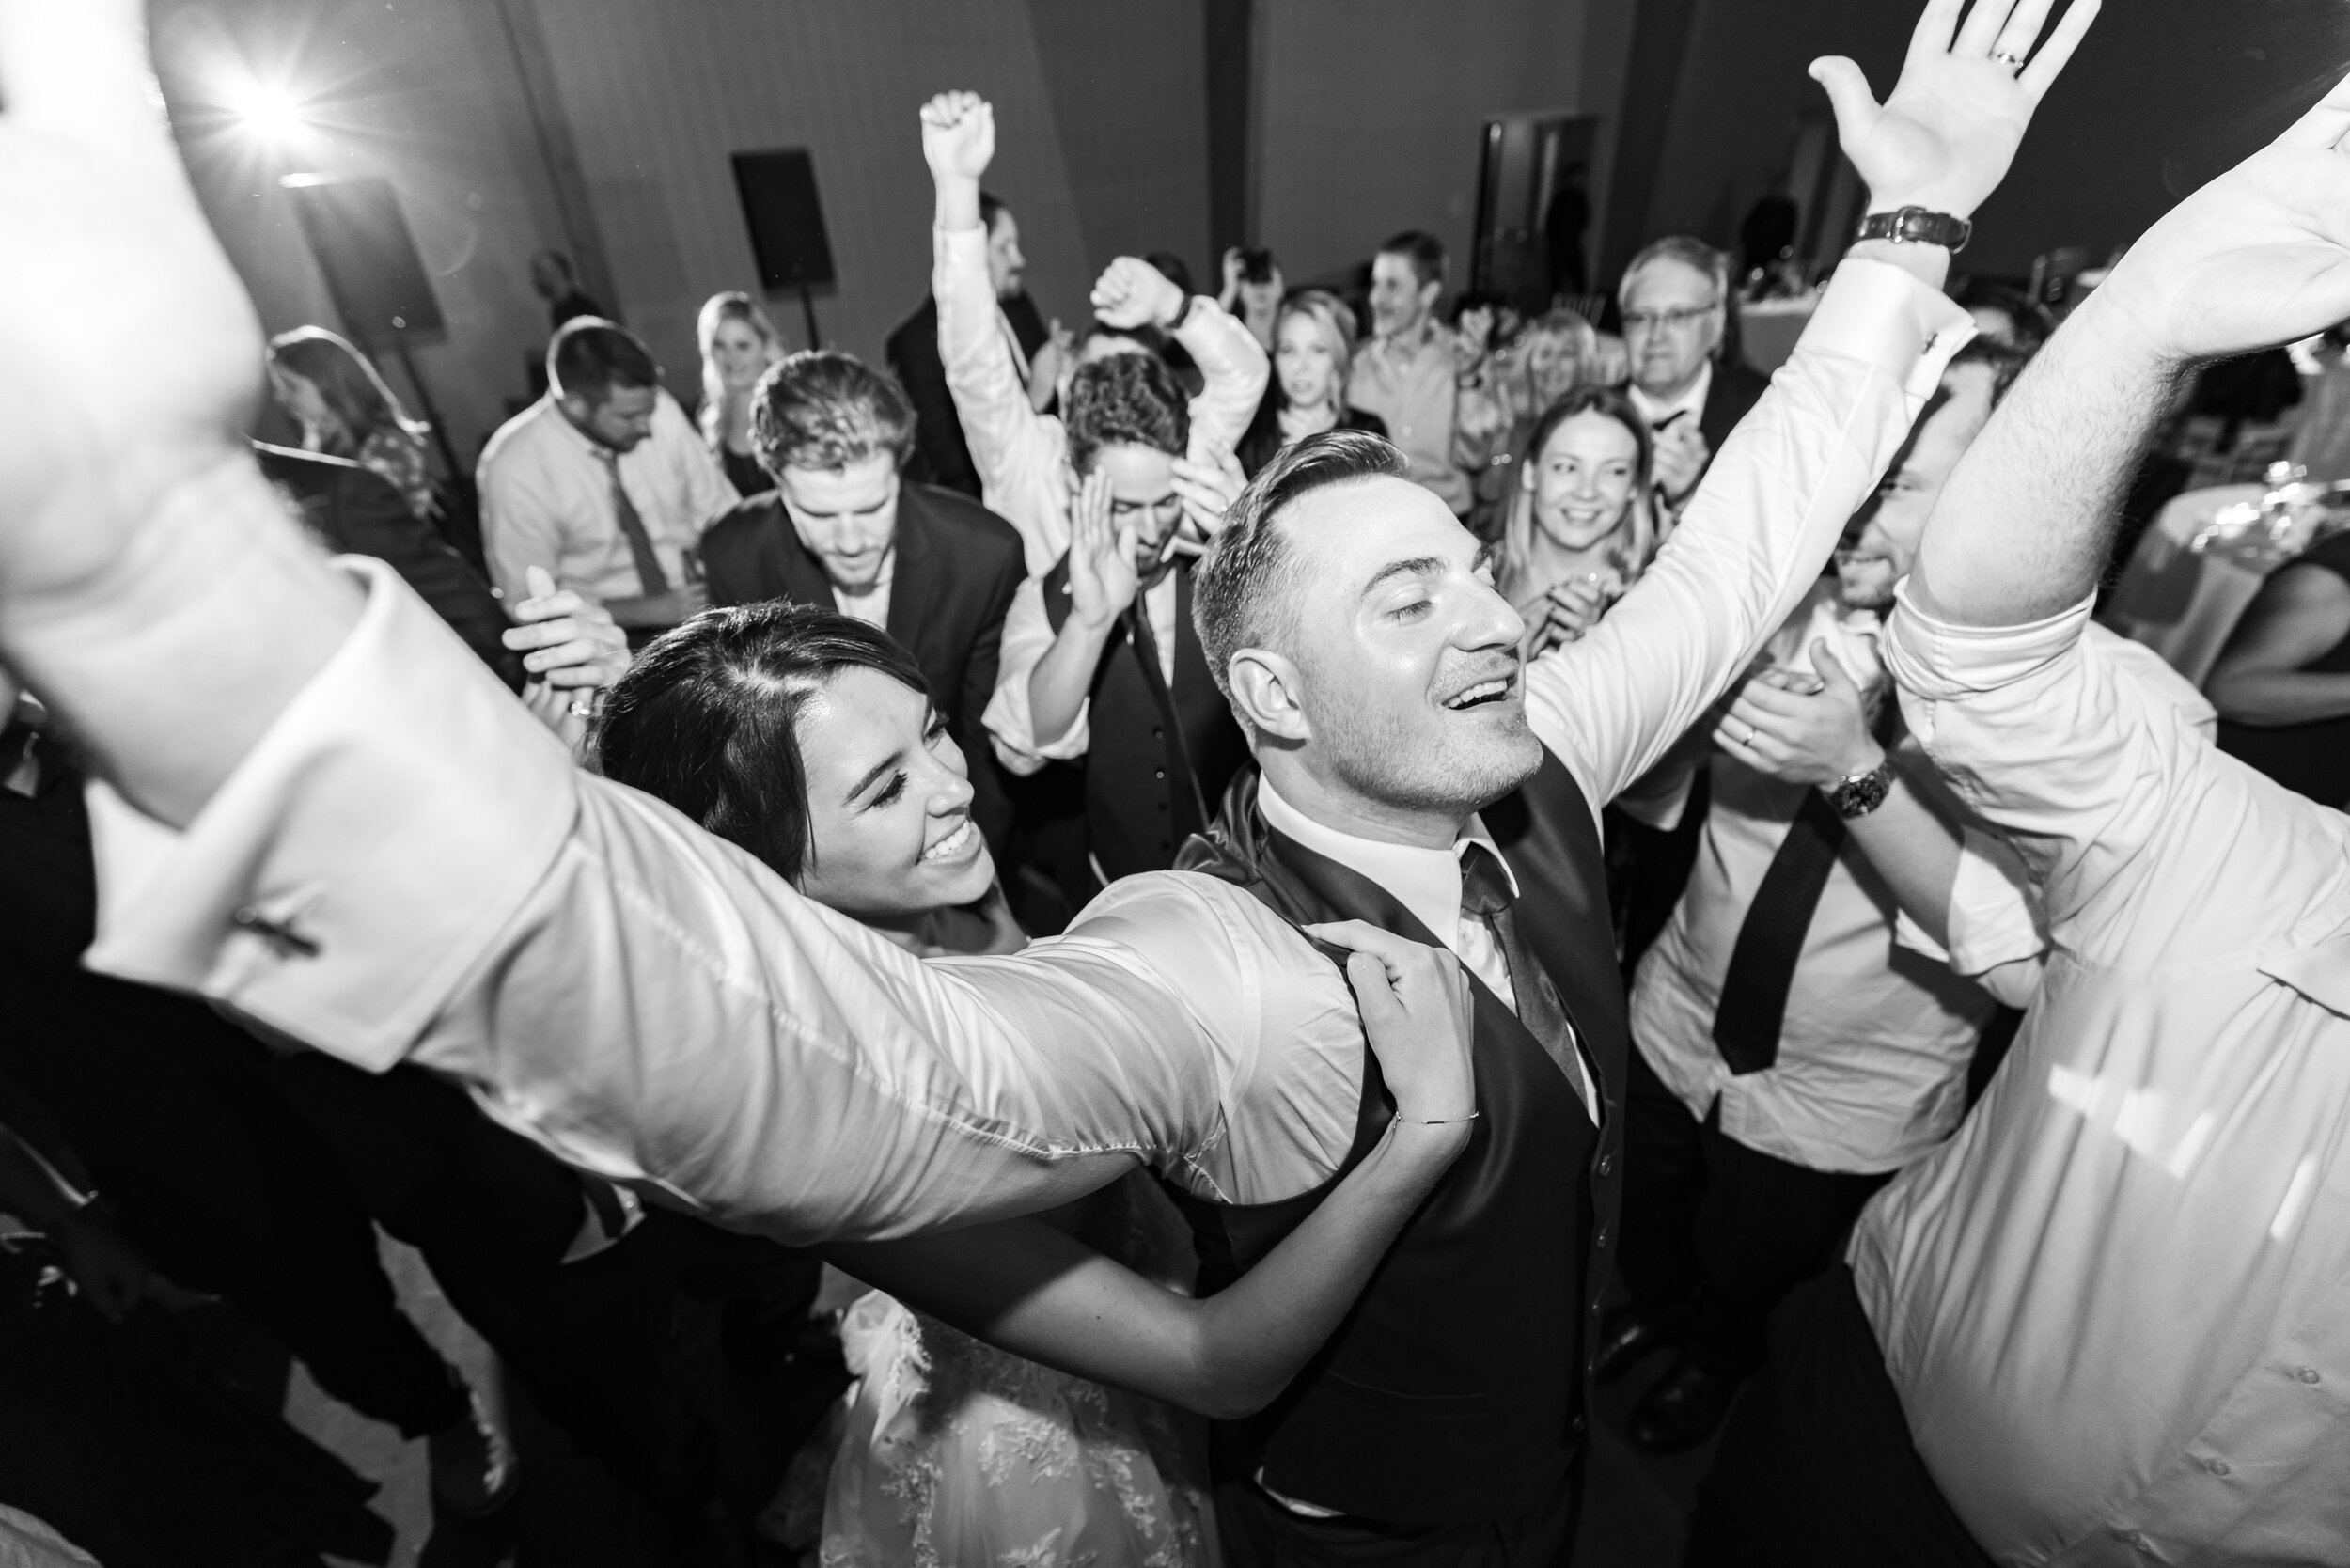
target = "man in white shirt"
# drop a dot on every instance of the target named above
(331, 826)
(1022, 455)
(604, 483)
(2103, 1324)
(1799, 1041)
(1675, 299)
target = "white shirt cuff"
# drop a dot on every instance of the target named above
(1942, 661)
(1882, 316)
(351, 871)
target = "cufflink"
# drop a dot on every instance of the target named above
(283, 940)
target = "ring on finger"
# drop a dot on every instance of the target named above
(2013, 62)
(1748, 739)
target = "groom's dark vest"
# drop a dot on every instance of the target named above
(1158, 754)
(1454, 1390)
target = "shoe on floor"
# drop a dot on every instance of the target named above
(1683, 1410)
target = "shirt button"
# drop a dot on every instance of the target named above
(1600, 1240)
(1158, 773)
(1607, 1165)
(2216, 1467)
(2308, 1375)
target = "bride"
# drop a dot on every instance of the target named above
(1016, 1381)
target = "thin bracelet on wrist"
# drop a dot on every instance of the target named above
(1404, 1121)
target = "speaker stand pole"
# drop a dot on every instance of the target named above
(431, 414)
(807, 308)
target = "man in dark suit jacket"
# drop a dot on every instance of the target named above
(845, 530)
(357, 511)
(1675, 297)
(941, 456)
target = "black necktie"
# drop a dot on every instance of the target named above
(1763, 964)
(651, 579)
(1486, 893)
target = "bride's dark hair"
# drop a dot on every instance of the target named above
(706, 718)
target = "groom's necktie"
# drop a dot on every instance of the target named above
(1486, 894)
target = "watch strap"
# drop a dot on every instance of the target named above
(1916, 226)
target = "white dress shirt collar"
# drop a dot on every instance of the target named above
(1427, 882)
(1691, 401)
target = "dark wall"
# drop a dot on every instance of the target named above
(2165, 94)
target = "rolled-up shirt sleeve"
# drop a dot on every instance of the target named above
(2106, 785)
(1755, 534)
(406, 866)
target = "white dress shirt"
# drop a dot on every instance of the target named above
(1028, 637)
(1022, 455)
(1427, 882)
(651, 1003)
(1881, 1024)
(546, 500)
(2113, 1304)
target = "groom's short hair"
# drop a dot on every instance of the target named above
(1245, 591)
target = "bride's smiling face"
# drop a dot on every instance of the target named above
(888, 802)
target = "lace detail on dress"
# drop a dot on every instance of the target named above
(957, 1454)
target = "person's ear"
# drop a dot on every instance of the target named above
(1267, 690)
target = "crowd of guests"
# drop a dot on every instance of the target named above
(1673, 881)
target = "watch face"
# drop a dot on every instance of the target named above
(1858, 797)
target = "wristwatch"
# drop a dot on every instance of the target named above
(1857, 795)
(1916, 226)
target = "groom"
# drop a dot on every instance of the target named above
(321, 817)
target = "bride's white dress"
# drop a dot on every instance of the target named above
(958, 1455)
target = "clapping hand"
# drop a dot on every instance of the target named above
(1209, 484)
(2258, 257)
(1132, 293)
(1419, 1017)
(1803, 731)
(1945, 138)
(1682, 454)
(1568, 609)
(1102, 577)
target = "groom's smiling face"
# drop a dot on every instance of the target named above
(1413, 683)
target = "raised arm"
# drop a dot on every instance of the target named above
(1010, 443)
(1028, 1288)
(2100, 782)
(2260, 255)
(328, 817)
(1760, 525)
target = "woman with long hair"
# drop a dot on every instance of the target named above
(1313, 351)
(345, 410)
(737, 343)
(1584, 521)
(807, 738)
(1551, 356)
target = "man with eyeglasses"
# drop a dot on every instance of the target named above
(1101, 667)
(1675, 297)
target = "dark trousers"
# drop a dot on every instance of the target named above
(210, 1171)
(1816, 1468)
(1715, 1234)
(592, 1340)
(1259, 1532)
